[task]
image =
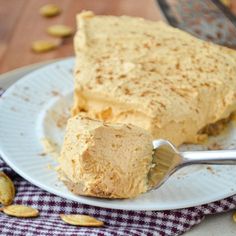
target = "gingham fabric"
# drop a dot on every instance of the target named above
(117, 222)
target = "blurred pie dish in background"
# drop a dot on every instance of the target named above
(211, 20)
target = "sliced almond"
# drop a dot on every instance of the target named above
(81, 220)
(50, 10)
(7, 189)
(20, 211)
(43, 46)
(60, 30)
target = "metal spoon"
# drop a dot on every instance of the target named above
(167, 160)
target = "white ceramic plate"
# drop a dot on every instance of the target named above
(35, 107)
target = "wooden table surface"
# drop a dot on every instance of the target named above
(21, 24)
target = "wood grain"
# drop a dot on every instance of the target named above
(21, 23)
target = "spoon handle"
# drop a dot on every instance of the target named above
(221, 157)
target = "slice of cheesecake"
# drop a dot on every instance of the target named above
(105, 160)
(131, 70)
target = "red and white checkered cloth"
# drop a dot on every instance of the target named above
(117, 222)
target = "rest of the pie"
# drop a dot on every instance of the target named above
(131, 70)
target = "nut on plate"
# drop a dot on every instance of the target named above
(60, 30)
(43, 46)
(234, 217)
(81, 220)
(7, 189)
(20, 211)
(49, 10)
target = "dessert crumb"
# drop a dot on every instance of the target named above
(55, 93)
(50, 167)
(50, 147)
(61, 121)
(210, 169)
(25, 99)
(42, 154)
(214, 146)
